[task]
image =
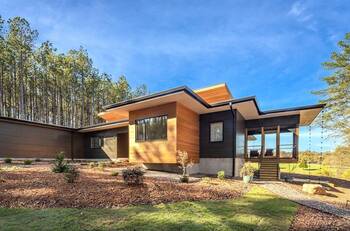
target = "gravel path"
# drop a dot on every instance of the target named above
(285, 191)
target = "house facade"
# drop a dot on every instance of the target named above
(217, 131)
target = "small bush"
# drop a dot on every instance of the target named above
(248, 169)
(114, 173)
(133, 175)
(221, 175)
(184, 179)
(27, 162)
(325, 171)
(346, 174)
(8, 160)
(92, 164)
(37, 160)
(60, 165)
(303, 164)
(71, 174)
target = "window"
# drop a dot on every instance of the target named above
(154, 128)
(96, 142)
(217, 132)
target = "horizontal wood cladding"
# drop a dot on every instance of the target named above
(21, 140)
(157, 151)
(188, 132)
(214, 94)
(224, 149)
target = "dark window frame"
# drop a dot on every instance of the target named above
(145, 137)
(96, 142)
(223, 133)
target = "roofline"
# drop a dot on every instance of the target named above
(38, 124)
(103, 124)
(191, 93)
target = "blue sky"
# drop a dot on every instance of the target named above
(270, 49)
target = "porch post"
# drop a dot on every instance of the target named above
(278, 140)
(296, 143)
(246, 143)
(262, 143)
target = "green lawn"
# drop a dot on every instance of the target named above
(258, 210)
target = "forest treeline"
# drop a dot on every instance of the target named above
(39, 84)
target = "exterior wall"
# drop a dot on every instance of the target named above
(211, 166)
(32, 140)
(111, 143)
(188, 132)
(157, 151)
(223, 149)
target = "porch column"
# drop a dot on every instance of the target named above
(262, 143)
(278, 140)
(246, 143)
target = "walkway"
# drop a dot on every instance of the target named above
(283, 190)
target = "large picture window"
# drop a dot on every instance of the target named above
(217, 132)
(154, 128)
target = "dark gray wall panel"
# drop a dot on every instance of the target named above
(20, 140)
(223, 149)
(270, 122)
(110, 148)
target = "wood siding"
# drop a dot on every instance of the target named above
(224, 149)
(214, 94)
(188, 132)
(157, 151)
(29, 140)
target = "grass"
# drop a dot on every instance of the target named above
(313, 169)
(257, 210)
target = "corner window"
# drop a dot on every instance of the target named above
(96, 142)
(154, 128)
(217, 132)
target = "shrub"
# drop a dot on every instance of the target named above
(346, 174)
(60, 165)
(37, 160)
(133, 175)
(303, 163)
(71, 174)
(247, 169)
(92, 164)
(325, 171)
(8, 160)
(221, 175)
(114, 173)
(184, 179)
(185, 163)
(27, 162)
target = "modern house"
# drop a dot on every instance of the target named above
(218, 132)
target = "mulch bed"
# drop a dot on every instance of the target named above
(311, 219)
(37, 187)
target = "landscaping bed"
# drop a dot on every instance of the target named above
(312, 219)
(36, 186)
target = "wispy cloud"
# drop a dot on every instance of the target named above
(303, 15)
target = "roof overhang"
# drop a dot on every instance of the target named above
(247, 106)
(105, 126)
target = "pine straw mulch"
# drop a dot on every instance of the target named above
(37, 187)
(311, 220)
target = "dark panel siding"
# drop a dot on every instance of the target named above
(223, 149)
(123, 145)
(270, 122)
(108, 150)
(21, 140)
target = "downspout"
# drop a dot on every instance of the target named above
(234, 139)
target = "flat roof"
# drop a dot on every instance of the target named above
(248, 106)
